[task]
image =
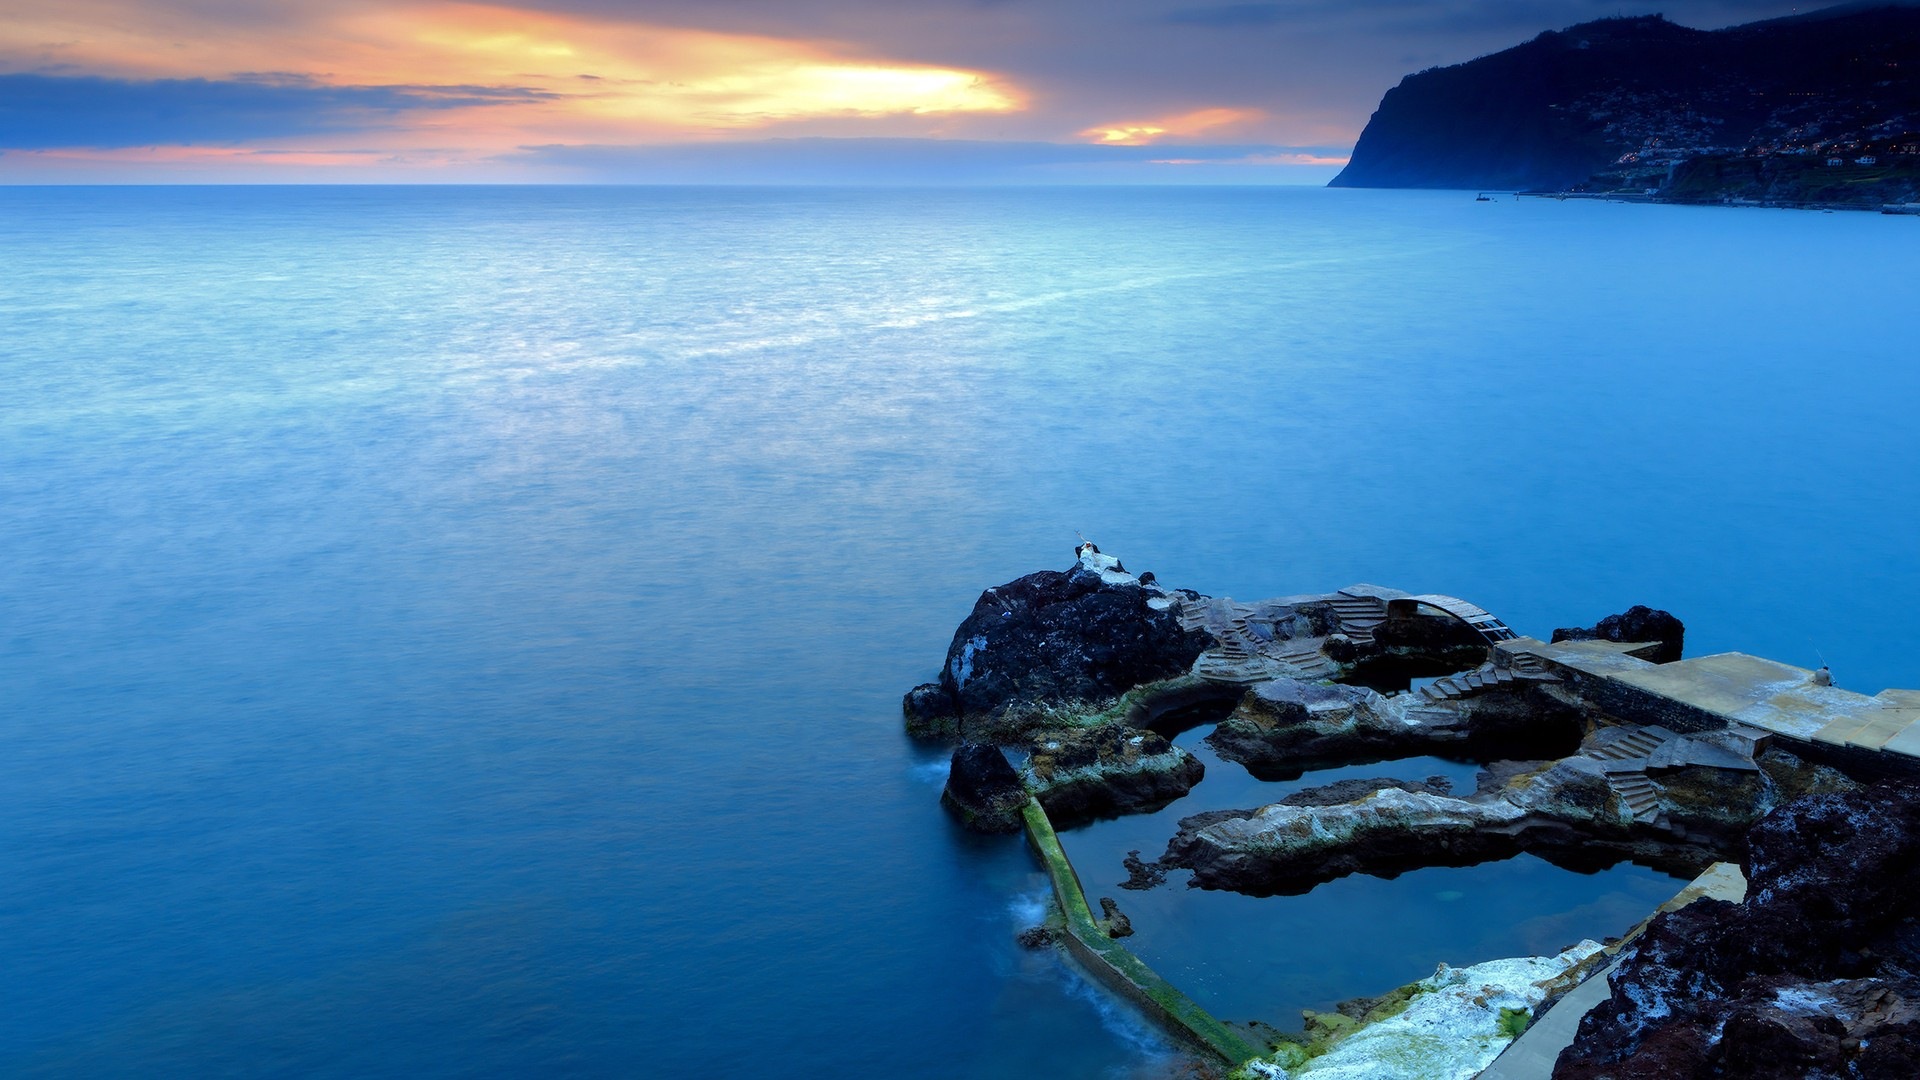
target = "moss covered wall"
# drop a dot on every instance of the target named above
(1115, 966)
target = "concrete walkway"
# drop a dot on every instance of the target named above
(1731, 690)
(1532, 1055)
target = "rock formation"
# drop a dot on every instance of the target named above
(1082, 774)
(1637, 623)
(1048, 641)
(983, 789)
(1567, 811)
(1086, 674)
(1817, 973)
(1284, 726)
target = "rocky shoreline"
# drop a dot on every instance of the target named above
(1066, 686)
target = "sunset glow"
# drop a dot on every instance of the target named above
(324, 90)
(553, 78)
(1142, 133)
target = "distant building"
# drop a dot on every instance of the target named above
(1832, 161)
(1866, 159)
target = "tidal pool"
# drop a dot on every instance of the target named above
(1266, 958)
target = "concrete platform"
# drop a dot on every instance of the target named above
(1747, 691)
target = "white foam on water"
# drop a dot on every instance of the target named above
(932, 772)
(1117, 1018)
(1030, 909)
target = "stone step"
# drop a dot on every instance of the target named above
(1639, 739)
(1472, 682)
(1638, 793)
(1359, 611)
(1633, 744)
(1615, 752)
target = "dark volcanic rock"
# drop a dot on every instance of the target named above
(1142, 875)
(1447, 641)
(983, 789)
(1037, 937)
(1814, 975)
(1637, 623)
(1082, 774)
(1050, 639)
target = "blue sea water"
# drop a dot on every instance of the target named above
(461, 631)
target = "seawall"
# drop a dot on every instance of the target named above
(1116, 967)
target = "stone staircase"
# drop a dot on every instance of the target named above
(1473, 682)
(1634, 745)
(1304, 658)
(1194, 614)
(1530, 666)
(1235, 658)
(1358, 615)
(1633, 786)
(1637, 791)
(1424, 713)
(1238, 657)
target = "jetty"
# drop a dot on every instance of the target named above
(1748, 696)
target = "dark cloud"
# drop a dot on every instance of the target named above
(1228, 15)
(926, 162)
(1090, 62)
(40, 112)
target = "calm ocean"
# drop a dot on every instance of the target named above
(460, 632)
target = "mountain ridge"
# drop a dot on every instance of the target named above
(1813, 109)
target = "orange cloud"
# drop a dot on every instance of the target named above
(1142, 133)
(599, 79)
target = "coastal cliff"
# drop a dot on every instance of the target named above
(1817, 109)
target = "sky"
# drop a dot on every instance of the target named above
(730, 91)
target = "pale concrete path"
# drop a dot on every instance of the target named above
(1750, 691)
(1532, 1055)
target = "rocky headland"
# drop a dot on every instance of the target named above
(1063, 689)
(1819, 109)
